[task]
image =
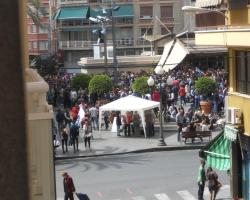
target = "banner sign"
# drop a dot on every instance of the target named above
(230, 133)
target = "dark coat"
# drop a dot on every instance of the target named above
(74, 131)
(68, 185)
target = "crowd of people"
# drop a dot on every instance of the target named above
(178, 90)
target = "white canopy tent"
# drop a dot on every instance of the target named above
(130, 103)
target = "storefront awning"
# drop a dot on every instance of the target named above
(124, 11)
(207, 3)
(165, 53)
(217, 153)
(175, 57)
(72, 13)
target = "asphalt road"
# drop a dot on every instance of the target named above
(169, 175)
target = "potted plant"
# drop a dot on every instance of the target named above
(206, 87)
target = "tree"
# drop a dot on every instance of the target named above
(205, 86)
(35, 10)
(45, 64)
(80, 81)
(100, 84)
(140, 85)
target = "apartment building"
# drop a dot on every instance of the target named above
(133, 20)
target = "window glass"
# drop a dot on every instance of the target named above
(146, 31)
(34, 44)
(33, 28)
(43, 45)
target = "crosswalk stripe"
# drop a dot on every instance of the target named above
(186, 195)
(162, 196)
(138, 198)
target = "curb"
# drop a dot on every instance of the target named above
(154, 149)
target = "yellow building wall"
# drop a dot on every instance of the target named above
(238, 17)
(236, 99)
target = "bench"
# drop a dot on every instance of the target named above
(196, 134)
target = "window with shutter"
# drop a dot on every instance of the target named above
(146, 12)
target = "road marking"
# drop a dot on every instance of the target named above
(138, 198)
(162, 196)
(60, 198)
(186, 195)
(129, 191)
(99, 194)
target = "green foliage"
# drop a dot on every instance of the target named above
(44, 65)
(205, 86)
(140, 85)
(100, 84)
(80, 81)
(36, 11)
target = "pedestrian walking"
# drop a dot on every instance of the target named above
(118, 123)
(93, 116)
(65, 139)
(87, 133)
(213, 183)
(68, 186)
(74, 133)
(201, 179)
(60, 121)
(180, 122)
(106, 119)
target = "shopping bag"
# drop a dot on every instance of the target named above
(82, 196)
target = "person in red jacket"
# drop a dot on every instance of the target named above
(156, 95)
(182, 94)
(68, 186)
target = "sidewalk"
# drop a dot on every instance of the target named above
(107, 143)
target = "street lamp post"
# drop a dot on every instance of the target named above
(159, 71)
(115, 63)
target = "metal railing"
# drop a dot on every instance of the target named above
(89, 44)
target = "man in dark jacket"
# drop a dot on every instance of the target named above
(68, 186)
(74, 133)
(60, 121)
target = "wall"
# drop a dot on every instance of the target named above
(13, 144)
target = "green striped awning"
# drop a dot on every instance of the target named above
(72, 13)
(217, 153)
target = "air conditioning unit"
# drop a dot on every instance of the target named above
(233, 115)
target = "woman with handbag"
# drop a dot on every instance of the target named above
(213, 183)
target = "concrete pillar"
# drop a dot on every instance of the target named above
(40, 154)
(13, 146)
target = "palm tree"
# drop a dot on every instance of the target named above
(35, 11)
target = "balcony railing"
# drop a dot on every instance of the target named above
(122, 43)
(72, 1)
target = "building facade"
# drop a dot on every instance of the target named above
(134, 20)
(235, 36)
(41, 39)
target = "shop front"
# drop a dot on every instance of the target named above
(245, 154)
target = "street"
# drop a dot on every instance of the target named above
(168, 175)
